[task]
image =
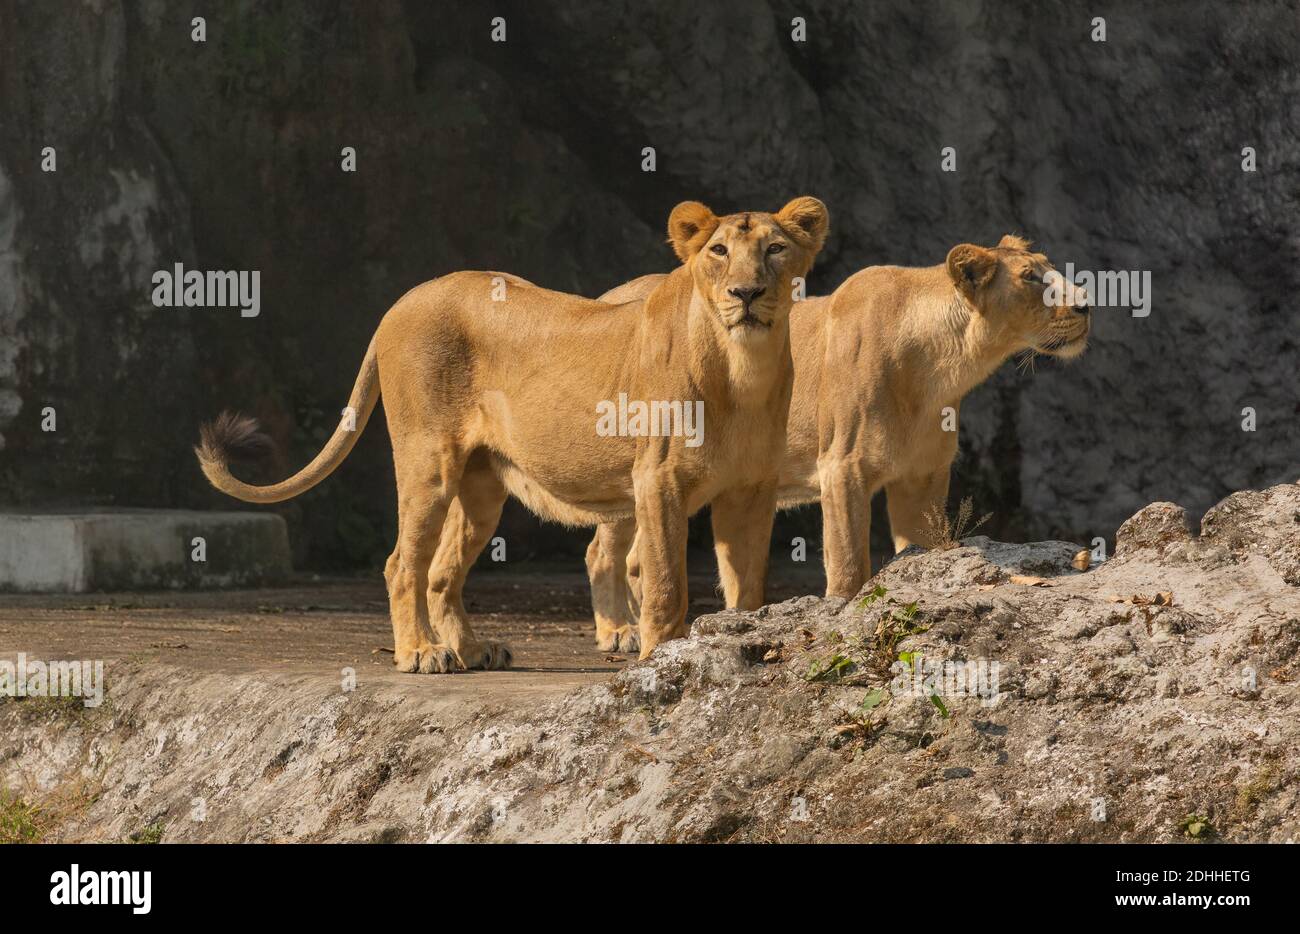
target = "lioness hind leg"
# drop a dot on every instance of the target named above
(426, 481)
(909, 499)
(616, 622)
(471, 520)
(634, 577)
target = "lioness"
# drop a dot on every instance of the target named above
(492, 386)
(876, 363)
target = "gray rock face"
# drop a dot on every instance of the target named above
(526, 155)
(991, 692)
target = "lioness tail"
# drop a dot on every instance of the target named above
(231, 436)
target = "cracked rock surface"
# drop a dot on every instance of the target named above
(1106, 705)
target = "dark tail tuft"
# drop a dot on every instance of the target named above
(231, 437)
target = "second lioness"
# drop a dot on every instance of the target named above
(876, 363)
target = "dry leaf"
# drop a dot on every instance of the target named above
(986, 586)
(772, 655)
(1030, 581)
(1163, 598)
(1082, 560)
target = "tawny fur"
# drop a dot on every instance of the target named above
(491, 386)
(229, 437)
(876, 363)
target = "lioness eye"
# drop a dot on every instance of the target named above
(776, 247)
(718, 249)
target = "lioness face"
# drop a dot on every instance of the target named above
(1023, 294)
(744, 265)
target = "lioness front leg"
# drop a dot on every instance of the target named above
(742, 539)
(661, 526)
(846, 526)
(616, 624)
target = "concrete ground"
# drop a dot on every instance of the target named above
(320, 626)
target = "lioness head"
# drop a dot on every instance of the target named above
(743, 264)
(1022, 294)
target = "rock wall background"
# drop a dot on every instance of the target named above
(525, 156)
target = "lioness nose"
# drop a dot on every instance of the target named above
(747, 295)
(1082, 309)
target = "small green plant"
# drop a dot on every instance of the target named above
(843, 664)
(857, 658)
(875, 697)
(153, 833)
(1196, 826)
(831, 669)
(943, 532)
(892, 628)
(20, 822)
(876, 593)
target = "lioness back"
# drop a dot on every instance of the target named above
(519, 370)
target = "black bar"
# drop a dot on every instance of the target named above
(330, 883)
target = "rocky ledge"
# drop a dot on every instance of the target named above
(987, 692)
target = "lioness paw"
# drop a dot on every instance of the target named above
(426, 659)
(623, 639)
(489, 656)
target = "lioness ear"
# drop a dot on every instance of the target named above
(1012, 242)
(971, 267)
(806, 220)
(689, 228)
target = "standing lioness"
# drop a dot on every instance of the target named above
(876, 364)
(494, 386)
